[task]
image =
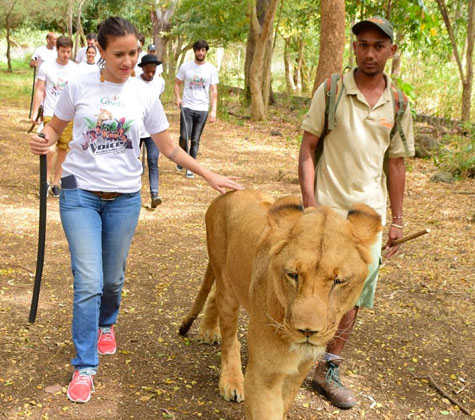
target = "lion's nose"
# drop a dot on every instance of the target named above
(307, 332)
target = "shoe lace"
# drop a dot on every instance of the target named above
(84, 379)
(333, 375)
(106, 334)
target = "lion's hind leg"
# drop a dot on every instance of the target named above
(206, 286)
(209, 326)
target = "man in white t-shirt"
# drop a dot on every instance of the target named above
(45, 52)
(155, 83)
(91, 41)
(52, 78)
(199, 79)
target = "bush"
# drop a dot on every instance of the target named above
(457, 156)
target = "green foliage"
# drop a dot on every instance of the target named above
(458, 155)
(15, 88)
(219, 22)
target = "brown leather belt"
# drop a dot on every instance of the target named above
(107, 196)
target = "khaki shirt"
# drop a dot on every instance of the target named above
(350, 169)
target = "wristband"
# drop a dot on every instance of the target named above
(397, 226)
(397, 217)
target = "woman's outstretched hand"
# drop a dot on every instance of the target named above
(220, 182)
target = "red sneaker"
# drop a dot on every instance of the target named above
(106, 343)
(80, 387)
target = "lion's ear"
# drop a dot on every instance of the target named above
(365, 223)
(283, 214)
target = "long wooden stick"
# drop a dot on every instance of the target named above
(434, 385)
(409, 237)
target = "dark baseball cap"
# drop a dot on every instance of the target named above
(381, 23)
(149, 59)
(152, 47)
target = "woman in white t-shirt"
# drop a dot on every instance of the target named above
(90, 64)
(100, 192)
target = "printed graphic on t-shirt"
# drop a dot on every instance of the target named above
(197, 82)
(107, 134)
(57, 88)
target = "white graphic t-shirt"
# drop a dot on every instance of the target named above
(197, 79)
(108, 117)
(43, 54)
(157, 86)
(56, 76)
(83, 67)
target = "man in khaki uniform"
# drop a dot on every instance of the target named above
(350, 169)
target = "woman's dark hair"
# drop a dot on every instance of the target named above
(113, 27)
(200, 44)
(91, 48)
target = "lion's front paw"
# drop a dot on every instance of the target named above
(209, 336)
(231, 389)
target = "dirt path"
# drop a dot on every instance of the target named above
(422, 323)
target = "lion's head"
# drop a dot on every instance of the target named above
(317, 263)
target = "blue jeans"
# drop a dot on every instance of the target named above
(99, 235)
(152, 162)
(191, 127)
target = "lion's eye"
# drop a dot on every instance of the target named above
(337, 281)
(292, 275)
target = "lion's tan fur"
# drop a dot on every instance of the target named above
(256, 247)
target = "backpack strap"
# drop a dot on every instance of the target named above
(332, 103)
(330, 87)
(400, 102)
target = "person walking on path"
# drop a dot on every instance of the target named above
(53, 76)
(91, 41)
(100, 195)
(45, 52)
(200, 79)
(156, 84)
(90, 64)
(350, 170)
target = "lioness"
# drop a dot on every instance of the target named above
(296, 272)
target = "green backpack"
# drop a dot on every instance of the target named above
(334, 84)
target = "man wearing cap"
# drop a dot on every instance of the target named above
(350, 170)
(149, 64)
(151, 49)
(200, 79)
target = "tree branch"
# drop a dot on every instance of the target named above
(448, 25)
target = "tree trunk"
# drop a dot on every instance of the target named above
(468, 84)
(69, 19)
(467, 79)
(396, 63)
(8, 29)
(332, 39)
(161, 26)
(259, 56)
(263, 36)
(78, 27)
(289, 81)
(298, 66)
(9, 60)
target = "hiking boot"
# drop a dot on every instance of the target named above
(156, 200)
(179, 168)
(189, 174)
(80, 387)
(55, 191)
(106, 343)
(326, 380)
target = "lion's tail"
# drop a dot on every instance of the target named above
(200, 300)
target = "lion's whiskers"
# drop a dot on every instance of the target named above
(276, 324)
